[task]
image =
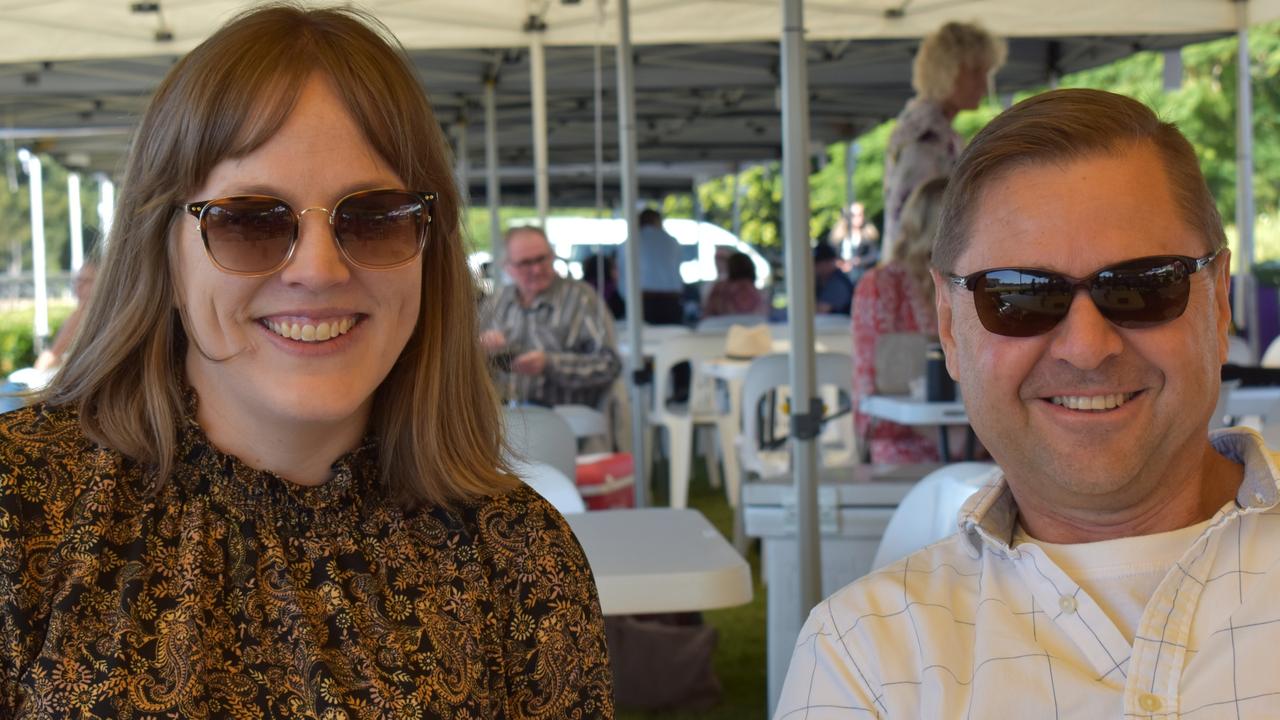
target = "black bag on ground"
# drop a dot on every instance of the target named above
(663, 662)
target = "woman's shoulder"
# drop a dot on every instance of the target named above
(39, 436)
(47, 464)
(516, 517)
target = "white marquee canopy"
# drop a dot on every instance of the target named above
(50, 30)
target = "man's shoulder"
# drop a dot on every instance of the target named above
(947, 569)
(40, 431)
(573, 291)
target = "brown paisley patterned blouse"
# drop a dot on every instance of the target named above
(231, 593)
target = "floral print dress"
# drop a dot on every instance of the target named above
(227, 592)
(886, 301)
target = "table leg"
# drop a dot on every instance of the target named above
(944, 444)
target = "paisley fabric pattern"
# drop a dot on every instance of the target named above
(232, 593)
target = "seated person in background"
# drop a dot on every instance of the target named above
(897, 297)
(833, 289)
(53, 356)
(1122, 562)
(737, 295)
(604, 283)
(268, 481)
(553, 336)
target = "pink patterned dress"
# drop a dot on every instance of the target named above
(735, 297)
(886, 301)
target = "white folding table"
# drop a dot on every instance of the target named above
(660, 560)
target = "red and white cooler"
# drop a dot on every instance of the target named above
(607, 480)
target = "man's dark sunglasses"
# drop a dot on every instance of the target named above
(254, 235)
(1022, 302)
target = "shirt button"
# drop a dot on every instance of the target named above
(1149, 702)
(1067, 603)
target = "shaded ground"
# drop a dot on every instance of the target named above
(740, 654)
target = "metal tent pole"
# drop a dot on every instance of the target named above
(35, 172)
(640, 378)
(1244, 177)
(106, 208)
(77, 222)
(598, 102)
(461, 163)
(493, 188)
(806, 410)
(538, 86)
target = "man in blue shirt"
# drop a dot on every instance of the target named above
(660, 283)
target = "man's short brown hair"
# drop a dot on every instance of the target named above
(1066, 125)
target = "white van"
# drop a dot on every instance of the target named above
(576, 238)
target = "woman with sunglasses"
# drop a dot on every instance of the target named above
(268, 482)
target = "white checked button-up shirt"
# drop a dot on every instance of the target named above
(970, 627)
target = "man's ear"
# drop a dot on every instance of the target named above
(942, 302)
(1222, 303)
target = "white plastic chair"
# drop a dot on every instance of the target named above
(831, 338)
(539, 435)
(1271, 358)
(681, 419)
(771, 372)
(929, 511)
(584, 421)
(1239, 352)
(724, 322)
(825, 322)
(1219, 419)
(552, 485)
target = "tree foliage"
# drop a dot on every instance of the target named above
(1204, 108)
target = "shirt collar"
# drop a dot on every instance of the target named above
(989, 516)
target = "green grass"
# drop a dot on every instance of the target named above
(17, 349)
(740, 654)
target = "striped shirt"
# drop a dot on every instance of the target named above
(977, 627)
(568, 322)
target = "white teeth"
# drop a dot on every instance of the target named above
(1092, 402)
(312, 332)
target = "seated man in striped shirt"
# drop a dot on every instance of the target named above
(1122, 562)
(551, 337)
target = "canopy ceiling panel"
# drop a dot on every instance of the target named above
(79, 29)
(75, 75)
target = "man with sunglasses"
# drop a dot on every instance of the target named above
(551, 337)
(1121, 562)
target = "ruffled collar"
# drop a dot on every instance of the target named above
(203, 470)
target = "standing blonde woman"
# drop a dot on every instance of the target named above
(267, 482)
(897, 297)
(952, 72)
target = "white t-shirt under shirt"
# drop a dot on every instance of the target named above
(1120, 575)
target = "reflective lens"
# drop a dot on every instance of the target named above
(255, 234)
(248, 234)
(381, 228)
(1021, 302)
